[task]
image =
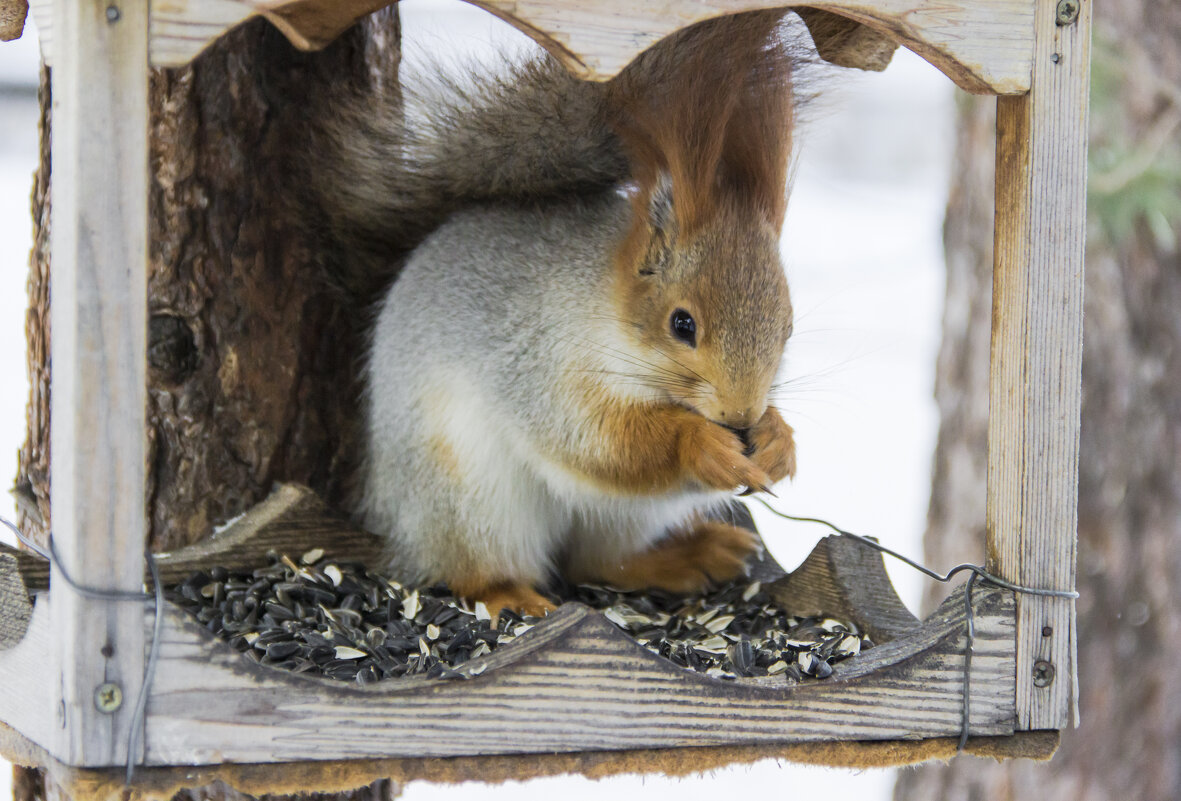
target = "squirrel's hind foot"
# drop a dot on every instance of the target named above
(685, 563)
(499, 595)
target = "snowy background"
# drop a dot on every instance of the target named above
(864, 260)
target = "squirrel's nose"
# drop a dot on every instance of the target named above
(737, 419)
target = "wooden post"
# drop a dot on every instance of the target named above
(1036, 378)
(99, 322)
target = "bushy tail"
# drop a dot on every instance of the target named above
(389, 172)
(711, 107)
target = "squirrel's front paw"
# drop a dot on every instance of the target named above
(774, 446)
(716, 457)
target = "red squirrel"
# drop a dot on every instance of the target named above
(572, 370)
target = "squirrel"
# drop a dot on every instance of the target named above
(572, 369)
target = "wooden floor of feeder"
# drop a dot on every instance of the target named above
(574, 683)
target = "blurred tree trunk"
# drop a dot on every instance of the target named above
(252, 358)
(1129, 744)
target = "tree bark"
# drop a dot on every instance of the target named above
(252, 355)
(1129, 743)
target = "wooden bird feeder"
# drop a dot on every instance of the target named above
(575, 688)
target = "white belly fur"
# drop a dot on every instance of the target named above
(533, 508)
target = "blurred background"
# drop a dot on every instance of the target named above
(863, 251)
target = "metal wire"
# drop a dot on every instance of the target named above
(157, 595)
(977, 573)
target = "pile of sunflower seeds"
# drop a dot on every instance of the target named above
(337, 620)
(736, 631)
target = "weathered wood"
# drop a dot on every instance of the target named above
(845, 579)
(846, 43)
(321, 777)
(985, 46)
(1035, 385)
(292, 520)
(12, 19)
(30, 700)
(99, 319)
(575, 682)
(571, 684)
(22, 574)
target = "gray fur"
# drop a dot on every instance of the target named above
(494, 320)
(531, 133)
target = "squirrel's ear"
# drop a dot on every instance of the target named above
(660, 206)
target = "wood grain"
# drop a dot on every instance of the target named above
(22, 574)
(841, 41)
(99, 351)
(29, 702)
(1035, 384)
(12, 19)
(292, 520)
(574, 683)
(985, 46)
(847, 580)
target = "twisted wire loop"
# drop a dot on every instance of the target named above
(978, 573)
(157, 596)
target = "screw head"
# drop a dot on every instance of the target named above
(1043, 673)
(112, 13)
(108, 697)
(1067, 12)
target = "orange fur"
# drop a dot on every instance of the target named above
(498, 594)
(711, 108)
(774, 446)
(685, 562)
(648, 448)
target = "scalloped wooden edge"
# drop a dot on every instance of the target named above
(985, 46)
(573, 683)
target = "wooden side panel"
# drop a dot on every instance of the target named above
(99, 319)
(1035, 392)
(21, 575)
(574, 683)
(29, 700)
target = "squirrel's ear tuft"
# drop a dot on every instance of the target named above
(661, 213)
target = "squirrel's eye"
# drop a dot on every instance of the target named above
(683, 327)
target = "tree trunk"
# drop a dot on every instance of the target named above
(1129, 615)
(252, 357)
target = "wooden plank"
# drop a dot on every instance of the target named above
(1035, 385)
(292, 520)
(985, 46)
(22, 574)
(99, 242)
(573, 683)
(331, 777)
(844, 579)
(29, 701)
